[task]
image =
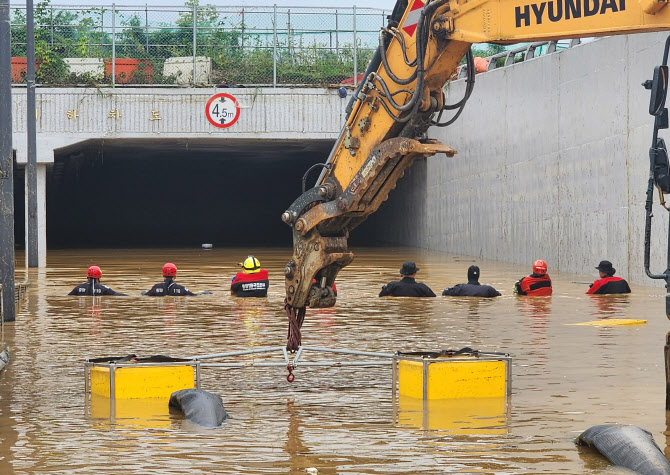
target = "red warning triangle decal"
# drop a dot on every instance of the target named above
(413, 17)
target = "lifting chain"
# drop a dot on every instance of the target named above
(295, 318)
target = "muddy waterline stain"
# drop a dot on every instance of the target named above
(338, 420)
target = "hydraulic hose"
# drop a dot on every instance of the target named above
(421, 41)
(470, 82)
(468, 91)
(387, 68)
(401, 39)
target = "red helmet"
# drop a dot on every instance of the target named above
(169, 270)
(539, 267)
(94, 272)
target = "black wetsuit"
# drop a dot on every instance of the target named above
(471, 289)
(407, 287)
(609, 285)
(168, 287)
(88, 289)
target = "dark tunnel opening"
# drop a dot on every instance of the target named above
(125, 193)
(115, 194)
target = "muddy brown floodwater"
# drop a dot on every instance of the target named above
(338, 420)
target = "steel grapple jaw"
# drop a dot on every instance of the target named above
(311, 272)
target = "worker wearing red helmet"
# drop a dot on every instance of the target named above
(252, 281)
(168, 286)
(93, 286)
(538, 283)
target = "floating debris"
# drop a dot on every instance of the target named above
(612, 322)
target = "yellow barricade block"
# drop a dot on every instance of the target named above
(453, 378)
(612, 322)
(141, 381)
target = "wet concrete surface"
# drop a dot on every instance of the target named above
(338, 420)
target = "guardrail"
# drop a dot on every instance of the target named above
(20, 289)
(196, 45)
(522, 53)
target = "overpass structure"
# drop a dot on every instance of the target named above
(75, 124)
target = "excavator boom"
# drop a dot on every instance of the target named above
(400, 97)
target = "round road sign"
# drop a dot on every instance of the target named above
(222, 110)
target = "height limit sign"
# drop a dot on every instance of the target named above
(222, 110)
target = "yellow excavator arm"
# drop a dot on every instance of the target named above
(400, 97)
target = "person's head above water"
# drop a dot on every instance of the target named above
(605, 267)
(94, 272)
(251, 265)
(409, 268)
(169, 269)
(473, 274)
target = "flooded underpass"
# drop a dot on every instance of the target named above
(565, 378)
(173, 192)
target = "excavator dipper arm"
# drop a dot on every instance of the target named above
(401, 96)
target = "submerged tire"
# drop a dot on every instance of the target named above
(201, 407)
(627, 446)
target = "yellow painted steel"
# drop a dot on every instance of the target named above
(467, 416)
(142, 381)
(453, 379)
(148, 413)
(612, 322)
(514, 21)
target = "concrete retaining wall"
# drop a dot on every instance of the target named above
(552, 164)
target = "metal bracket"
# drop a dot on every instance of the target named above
(351, 142)
(298, 206)
(372, 104)
(364, 124)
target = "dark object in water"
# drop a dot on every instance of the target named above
(201, 407)
(136, 359)
(627, 446)
(4, 358)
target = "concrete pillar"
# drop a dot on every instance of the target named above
(6, 170)
(41, 215)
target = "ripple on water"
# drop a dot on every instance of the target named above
(339, 420)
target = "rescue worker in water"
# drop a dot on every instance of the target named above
(473, 288)
(408, 286)
(252, 281)
(93, 286)
(608, 284)
(168, 286)
(538, 283)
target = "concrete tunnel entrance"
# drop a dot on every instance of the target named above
(173, 193)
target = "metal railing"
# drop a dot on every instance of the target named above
(523, 53)
(20, 289)
(198, 45)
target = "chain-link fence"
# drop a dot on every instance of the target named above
(201, 45)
